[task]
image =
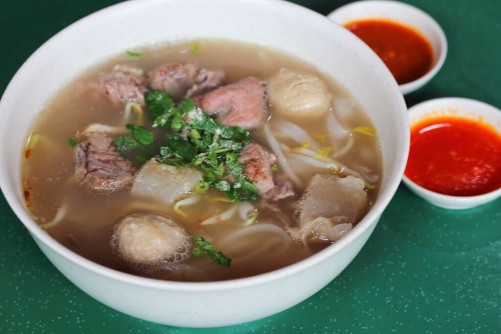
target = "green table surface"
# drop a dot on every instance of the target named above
(424, 270)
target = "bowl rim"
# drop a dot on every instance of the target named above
(17, 205)
(389, 6)
(440, 199)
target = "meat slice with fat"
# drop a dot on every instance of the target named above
(173, 78)
(242, 104)
(100, 167)
(257, 164)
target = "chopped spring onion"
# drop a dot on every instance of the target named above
(207, 248)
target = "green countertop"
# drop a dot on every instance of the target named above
(424, 270)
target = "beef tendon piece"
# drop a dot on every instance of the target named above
(329, 208)
(100, 167)
(173, 78)
(122, 85)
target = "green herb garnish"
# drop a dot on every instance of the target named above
(195, 48)
(140, 137)
(194, 139)
(72, 142)
(134, 53)
(198, 140)
(206, 248)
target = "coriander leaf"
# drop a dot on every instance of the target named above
(72, 142)
(182, 147)
(169, 157)
(125, 144)
(140, 134)
(223, 185)
(196, 139)
(159, 103)
(177, 123)
(218, 257)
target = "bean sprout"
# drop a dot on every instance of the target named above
(184, 202)
(282, 161)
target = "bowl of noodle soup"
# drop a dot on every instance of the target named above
(164, 202)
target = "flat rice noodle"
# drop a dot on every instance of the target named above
(282, 161)
(295, 132)
(336, 130)
(242, 243)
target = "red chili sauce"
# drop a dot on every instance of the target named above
(455, 156)
(406, 53)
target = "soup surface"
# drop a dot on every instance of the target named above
(307, 166)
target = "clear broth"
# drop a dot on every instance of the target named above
(88, 224)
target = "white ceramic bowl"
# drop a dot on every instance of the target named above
(406, 15)
(278, 24)
(458, 107)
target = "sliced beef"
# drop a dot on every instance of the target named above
(283, 189)
(206, 80)
(100, 167)
(122, 85)
(173, 78)
(241, 104)
(184, 80)
(257, 166)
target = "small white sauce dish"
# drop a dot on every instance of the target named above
(403, 14)
(457, 107)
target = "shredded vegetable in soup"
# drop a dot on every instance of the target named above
(202, 161)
